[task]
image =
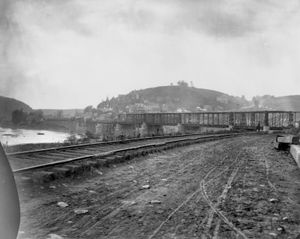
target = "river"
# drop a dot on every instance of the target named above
(26, 136)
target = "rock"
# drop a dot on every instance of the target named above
(164, 179)
(247, 202)
(147, 186)
(92, 192)
(295, 152)
(98, 172)
(81, 211)
(273, 200)
(140, 213)
(133, 203)
(62, 204)
(131, 167)
(155, 202)
(54, 236)
(280, 229)
(287, 139)
(285, 218)
(52, 187)
(159, 211)
(273, 234)
(129, 203)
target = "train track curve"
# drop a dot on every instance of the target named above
(48, 164)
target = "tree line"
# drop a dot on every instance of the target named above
(22, 117)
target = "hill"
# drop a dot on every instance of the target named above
(290, 102)
(62, 113)
(8, 105)
(173, 99)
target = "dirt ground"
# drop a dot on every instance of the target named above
(236, 188)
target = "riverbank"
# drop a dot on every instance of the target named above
(37, 146)
(26, 147)
(40, 126)
(29, 139)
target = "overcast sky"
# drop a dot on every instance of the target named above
(73, 53)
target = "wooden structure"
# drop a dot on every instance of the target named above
(242, 119)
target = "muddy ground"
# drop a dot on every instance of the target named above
(236, 188)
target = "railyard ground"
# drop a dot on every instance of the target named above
(231, 188)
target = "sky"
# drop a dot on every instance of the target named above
(74, 53)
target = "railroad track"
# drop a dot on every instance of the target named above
(31, 158)
(48, 164)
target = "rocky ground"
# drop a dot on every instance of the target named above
(236, 188)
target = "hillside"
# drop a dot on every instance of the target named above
(173, 99)
(291, 102)
(61, 113)
(8, 105)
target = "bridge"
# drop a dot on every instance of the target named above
(143, 124)
(249, 119)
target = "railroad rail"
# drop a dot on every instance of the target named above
(102, 143)
(49, 164)
(31, 158)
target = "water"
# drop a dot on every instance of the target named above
(26, 136)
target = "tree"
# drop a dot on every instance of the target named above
(35, 116)
(88, 109)
(59, 114)
(18, 116)
(182, 83)
(255, 101)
